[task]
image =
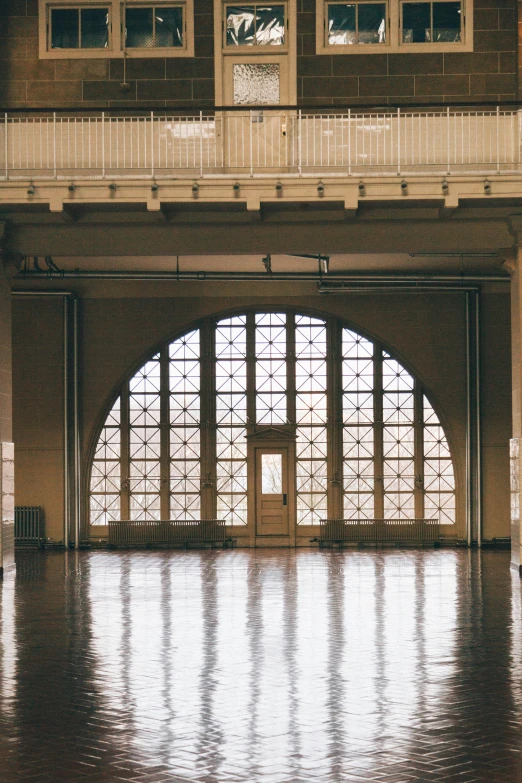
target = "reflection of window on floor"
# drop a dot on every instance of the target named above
(174, 445)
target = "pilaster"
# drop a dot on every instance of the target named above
(513, 265)
(6, 424)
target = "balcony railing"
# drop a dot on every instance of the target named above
(260, 142)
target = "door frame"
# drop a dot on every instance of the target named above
(267, 438)
(221, 53)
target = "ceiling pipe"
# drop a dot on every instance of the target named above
(329, 280)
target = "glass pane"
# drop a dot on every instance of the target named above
(271, 474)
(95, 28)
(255, 25)
(65, 28)
(169, 27)
(341, 24)
(256, 83)
(270, 25)
(416, 24)
(372, 23)
(446, 22)
(139, 27)
(241, 27)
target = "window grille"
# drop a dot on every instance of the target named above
(368, 441)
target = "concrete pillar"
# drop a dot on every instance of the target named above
(6, 424)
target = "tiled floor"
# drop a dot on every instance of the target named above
(270, 666)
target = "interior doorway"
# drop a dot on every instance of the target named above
(272, 491)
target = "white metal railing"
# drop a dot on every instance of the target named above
(257, 142)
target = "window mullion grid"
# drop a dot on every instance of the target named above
(335, 423)
(311, 371)
(208, 423)
(231, 424)
(378, 445)
(418, 449)
(290, 369)
(125, 452)
(164, 435)
(251, 369)
(185, 426)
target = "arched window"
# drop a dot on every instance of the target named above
(368, 443)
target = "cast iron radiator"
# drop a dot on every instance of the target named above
(180, 531)
(377, 531)
(29, 529)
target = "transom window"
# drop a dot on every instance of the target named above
(254, 25)
(369, 443)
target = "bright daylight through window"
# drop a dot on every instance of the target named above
(367, 438)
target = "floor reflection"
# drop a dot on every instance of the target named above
(270, 666)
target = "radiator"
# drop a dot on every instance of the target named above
(29, 529)
(180, 531)
(376, 531)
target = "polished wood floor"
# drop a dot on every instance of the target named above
(262, 667)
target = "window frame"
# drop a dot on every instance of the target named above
(116, 47)
(376, 365)
(77, 7)
(393, 44)
(357, 3)
(187, 50)
(431, 3)
(256, 49)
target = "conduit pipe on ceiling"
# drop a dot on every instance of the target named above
(311, 277)
(71, 429)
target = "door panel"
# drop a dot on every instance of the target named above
(271, 492)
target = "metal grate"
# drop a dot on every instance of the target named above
(182, 532)
(376, 531)
(29, 528)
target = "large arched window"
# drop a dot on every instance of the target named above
(368, 442)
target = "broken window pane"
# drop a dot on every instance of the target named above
(255, 25)
(416, 22)
(363, 23)
(256, 83)
(270, 25)
(95, 28)
(65, 28)
(342, 28)
(446, 22)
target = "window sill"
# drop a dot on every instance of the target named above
(415, 48)
(108, 54)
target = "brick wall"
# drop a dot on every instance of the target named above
(26, 81)
(487, 74)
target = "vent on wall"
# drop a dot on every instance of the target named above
(29, 526)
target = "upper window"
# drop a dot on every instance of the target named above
(255, 25)
(356, 23)
(394, 26)
(79, 28)
(89, 28)
(431, 22)
(151, 26)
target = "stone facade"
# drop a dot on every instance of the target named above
(489, 73)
